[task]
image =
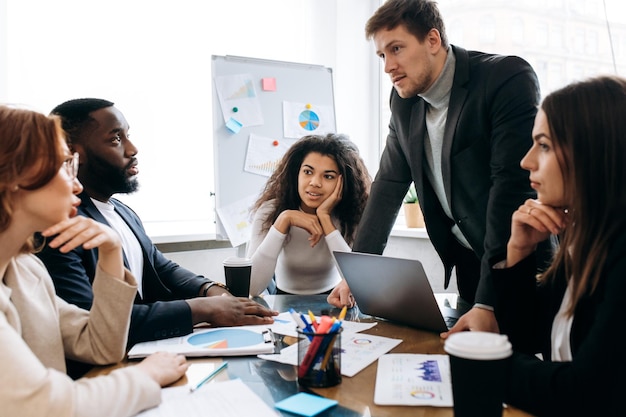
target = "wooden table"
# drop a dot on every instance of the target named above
(274, 381)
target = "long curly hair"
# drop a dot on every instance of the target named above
(282, 186)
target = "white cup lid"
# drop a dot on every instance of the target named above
(236, 261)
(478, 345)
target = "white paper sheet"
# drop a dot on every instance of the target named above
(236, 220)
(238, 99)
(413, 379)
(219, 341)
(284, 324)
(224, 399)
(264, 154)
(358, 351)
(301, 119)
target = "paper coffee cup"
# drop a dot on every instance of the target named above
(478, 345)
(479, 363)
(237, 273)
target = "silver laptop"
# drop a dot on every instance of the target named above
(394, 289)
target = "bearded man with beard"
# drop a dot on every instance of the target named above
(170, 299)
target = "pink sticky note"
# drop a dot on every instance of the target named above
(268, 84)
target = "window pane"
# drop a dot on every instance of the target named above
(562, 40)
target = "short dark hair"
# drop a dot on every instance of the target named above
(418, 16)
(75, 114)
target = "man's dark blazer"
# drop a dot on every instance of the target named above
(492, 106)
(161, 312)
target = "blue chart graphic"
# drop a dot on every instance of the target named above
(430, 371)
(226, 338)
(309, 120)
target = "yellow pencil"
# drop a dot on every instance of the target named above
(329, 352)
(313, 320)
(342, 315)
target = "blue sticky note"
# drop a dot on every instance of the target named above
(305, 404)
(233, 125)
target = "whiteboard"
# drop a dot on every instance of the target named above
(260, 107)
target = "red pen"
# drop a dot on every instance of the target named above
(324, 326)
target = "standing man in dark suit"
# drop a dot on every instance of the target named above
(170, 299)
(461, 122)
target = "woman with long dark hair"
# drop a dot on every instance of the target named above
(573, 313)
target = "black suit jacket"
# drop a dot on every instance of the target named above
(593, 384)
(491, 112)
(161, 313)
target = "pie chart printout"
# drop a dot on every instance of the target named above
(309, 120)
(226, 338)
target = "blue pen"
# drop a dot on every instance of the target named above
(307, 326)
(301, 323)
(329, 339)
(326, 350)
(209, 377)
(297, 318)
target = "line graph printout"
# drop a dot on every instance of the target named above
(236, 219)
(263, 154)
(238, 99)
(413, 379)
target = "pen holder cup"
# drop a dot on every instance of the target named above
(319, 359)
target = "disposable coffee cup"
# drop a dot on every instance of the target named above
(479, 364)
(237, 272)
(319, 358)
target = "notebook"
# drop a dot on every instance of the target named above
(395, 289)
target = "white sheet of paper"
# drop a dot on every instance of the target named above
(284, 324)
(264, 154)
(224, 399)
(236, 220)
(198, 371)
(216, 341)
(413, 379)
(358, 351)
(237, 92)
(300, 120)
